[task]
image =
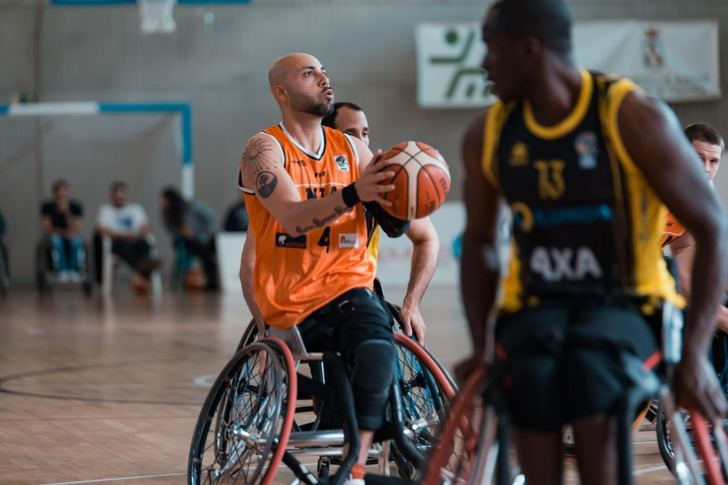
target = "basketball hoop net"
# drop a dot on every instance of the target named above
(157, 16)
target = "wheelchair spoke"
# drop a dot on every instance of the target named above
(246, 421)
(422, 402)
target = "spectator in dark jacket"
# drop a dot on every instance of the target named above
(193, 224)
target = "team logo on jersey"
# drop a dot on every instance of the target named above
(349, 240)
(525, 218)
(565, 264)
(519, 155)
(284, 240)
(587, 148)
(342, 163)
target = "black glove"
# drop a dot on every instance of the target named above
(392, 226)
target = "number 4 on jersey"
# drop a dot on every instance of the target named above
(325, 239)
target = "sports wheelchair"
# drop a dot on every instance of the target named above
(47, 272)
(260, 412)
(474, 441)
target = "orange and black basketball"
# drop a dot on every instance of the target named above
(421, 179)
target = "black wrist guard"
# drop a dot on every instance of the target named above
(351, 197)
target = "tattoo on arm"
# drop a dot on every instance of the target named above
(266, 183)
(257, 166)
(318, 223)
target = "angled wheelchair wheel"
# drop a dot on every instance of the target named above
(250, 335)
(663, 430)
(426, 392)
(245, 422)
(706, 456)
(469, 449)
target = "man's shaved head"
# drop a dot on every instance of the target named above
(299, 82)
(284, 66)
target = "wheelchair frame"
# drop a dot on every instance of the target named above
(45, 276)
(406, 437)
(663, 420)
(474, 440)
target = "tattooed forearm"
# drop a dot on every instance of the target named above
(257, 165)
(323, 221)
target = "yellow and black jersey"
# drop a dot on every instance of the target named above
(373, 234)
(585, 222)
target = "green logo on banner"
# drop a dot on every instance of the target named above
(465, 77)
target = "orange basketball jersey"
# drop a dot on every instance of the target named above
(673, 230)
(296, 275)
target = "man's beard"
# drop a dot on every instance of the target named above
(305, 104)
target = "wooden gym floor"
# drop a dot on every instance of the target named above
(108, 391)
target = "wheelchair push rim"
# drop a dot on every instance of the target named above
(244, 425)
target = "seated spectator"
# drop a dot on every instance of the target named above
(192, 223)
(236, 219)
(60, 219)
(127, 226)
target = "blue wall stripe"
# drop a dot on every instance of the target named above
(183, 109)
(102, 3)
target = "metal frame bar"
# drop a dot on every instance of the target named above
(184, 110)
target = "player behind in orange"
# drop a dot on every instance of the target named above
(304, 184)
(709, 145)
(351, 119)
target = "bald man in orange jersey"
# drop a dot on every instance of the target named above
(304, 184)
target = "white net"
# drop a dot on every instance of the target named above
(157, 16)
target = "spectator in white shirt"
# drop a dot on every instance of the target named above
(127, 226)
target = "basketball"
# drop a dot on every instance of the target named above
(421, 180)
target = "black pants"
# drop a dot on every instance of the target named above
(359, 327)
(134, 252)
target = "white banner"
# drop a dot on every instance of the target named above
(675, 61)
(395, 255)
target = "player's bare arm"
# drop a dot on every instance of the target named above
(425, 245)
(683, 250)
(687, 194)
(262, 170)
(481, 260)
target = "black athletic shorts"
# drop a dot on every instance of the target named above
(556, 373)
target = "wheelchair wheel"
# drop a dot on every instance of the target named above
(245, 422)
(42, 262)
(469, 451)
(249, 336)
(663, 430)
(426, 393)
